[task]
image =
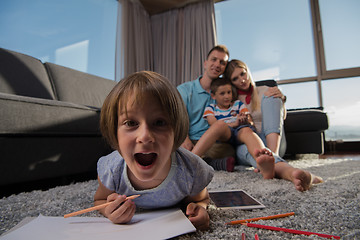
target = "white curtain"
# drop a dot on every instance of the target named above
(174, 43)
(133, 40)
(182, 39)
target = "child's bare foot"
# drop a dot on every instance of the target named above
(265, 163)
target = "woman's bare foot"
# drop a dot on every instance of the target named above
(301, 179)
(265, 163)
(316, 179)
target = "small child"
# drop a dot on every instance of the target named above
(145, 121)
(240, 127)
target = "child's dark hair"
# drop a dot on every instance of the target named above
(141, 85)
(216, 83)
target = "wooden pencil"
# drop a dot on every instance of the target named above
(260, 218)
(95, 208)
(256, 237)
(290, 230)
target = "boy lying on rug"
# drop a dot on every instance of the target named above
(145, 120)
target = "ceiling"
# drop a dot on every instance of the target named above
(159, 6)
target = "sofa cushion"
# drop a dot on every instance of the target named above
(269, 83)
(23, 75)
(305, 142)
(78, 87)
(306, 120)
(36, 116)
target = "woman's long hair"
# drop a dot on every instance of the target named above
(231, 66)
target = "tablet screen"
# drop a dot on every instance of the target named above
(234, 199)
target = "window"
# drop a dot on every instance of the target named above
(342, 103)
(302, 95)
(77, 34)
(340, 22)
(300, 43)
(273, 37)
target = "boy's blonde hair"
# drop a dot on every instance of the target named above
(231, 66)
(139, 86)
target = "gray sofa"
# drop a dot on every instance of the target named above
(49, 119)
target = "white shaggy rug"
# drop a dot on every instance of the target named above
(332, 207)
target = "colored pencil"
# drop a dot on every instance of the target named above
(260, 218)
(290, 230)
(243, 237)
(95, 208)
(256, 237)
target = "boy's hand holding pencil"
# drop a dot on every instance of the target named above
(118, 208)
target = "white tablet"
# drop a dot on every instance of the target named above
(238, 199)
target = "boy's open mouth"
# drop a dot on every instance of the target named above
(145, 159)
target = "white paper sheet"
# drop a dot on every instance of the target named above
(161, 224)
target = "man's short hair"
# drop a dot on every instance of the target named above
(220, 48)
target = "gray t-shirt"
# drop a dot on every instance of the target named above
(188, 176)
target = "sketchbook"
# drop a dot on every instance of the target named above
(160, 224)
(238, 199)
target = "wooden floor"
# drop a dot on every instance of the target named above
(352, 156)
